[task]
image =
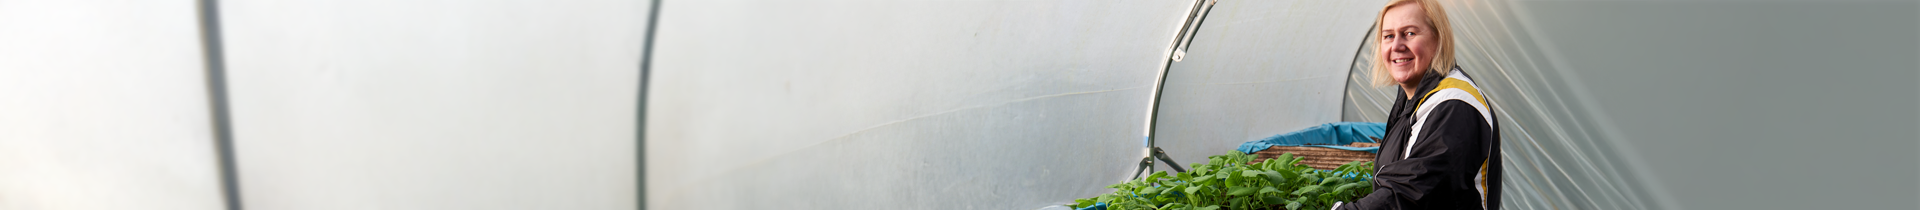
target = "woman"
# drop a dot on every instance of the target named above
(1442, 145)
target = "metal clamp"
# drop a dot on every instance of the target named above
(1147, 163)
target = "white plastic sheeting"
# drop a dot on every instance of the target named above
(1258, 69)
(1692, 105)
(435, 105)
(104, 107)
(899, 104)
(1720, 105)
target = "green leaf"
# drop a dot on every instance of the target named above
(1210, 207)
(1149, 191)
(1240, 191)
(1269, 190)
(1276, 178)
(1293, 205)
(1250, 173)
(1232, 181)
(1307, 190)
(1273, 200)
(1193, 191)
(1163, 206)
(1132, 206)
(1349, 186)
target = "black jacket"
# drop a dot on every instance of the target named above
(1454, 157)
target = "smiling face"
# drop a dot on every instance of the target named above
(1407, 42)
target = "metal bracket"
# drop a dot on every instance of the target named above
(1191, 28)
(1147, 163)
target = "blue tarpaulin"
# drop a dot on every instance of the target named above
(1330, 135)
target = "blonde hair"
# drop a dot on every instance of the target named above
(1436, 19)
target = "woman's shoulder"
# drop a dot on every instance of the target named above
(1455, 87)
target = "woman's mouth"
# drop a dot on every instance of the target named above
(1402, 60)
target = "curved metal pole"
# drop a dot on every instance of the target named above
(1195, 15)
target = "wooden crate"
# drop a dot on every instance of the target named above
(1318, 157)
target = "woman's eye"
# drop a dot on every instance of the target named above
(1389, 36)
(1409, 33)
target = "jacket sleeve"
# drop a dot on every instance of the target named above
(1440, 168)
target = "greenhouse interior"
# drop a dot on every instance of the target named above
(820, 104)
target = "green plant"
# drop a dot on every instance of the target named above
(1228, 182)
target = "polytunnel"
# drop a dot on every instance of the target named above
(828, 104)
(1019, 105)
(968, 118)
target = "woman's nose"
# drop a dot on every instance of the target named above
(1397, 47)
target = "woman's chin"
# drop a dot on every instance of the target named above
(1405, 75)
